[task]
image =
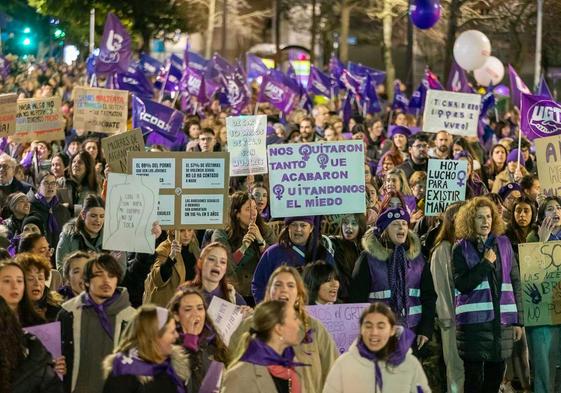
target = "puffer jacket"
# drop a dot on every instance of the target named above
(72, 239)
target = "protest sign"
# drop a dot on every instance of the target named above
(226, 317)
(540, 270)
(316, 178)
(340, 320)
(39, 119)
(457, 113)
(446, 184)
(548, 157)
(115, 148)
(8, 109)
(193, 187)
(49, 335)
(100, 110)
(247, 144)
(130, 210)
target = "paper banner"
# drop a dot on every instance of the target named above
(446, 184)
(39, 119)
(457, 113)
(8, 109)
(100, 110)
(247, 144)
(115, 148)
(548, 157)
(226, 317)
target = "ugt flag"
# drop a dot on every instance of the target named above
(115, 47)
(160, 124)
(539, 116)
(278, 92)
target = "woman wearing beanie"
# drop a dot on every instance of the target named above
(488, 297)
(392, 269)
(19, 208)
(513, 173)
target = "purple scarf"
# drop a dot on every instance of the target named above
(132, 364)
(13, 247)
(397, 357)
(260, 353)
(397, 277)
(101, 310)
(52, 223)
(193, 342)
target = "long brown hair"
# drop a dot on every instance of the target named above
(234, 229)
(465, 219)
(90, 177)
(301, 301)
(447, 230)
(385, 310)
(12, 346)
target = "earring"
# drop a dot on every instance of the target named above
(281, 338)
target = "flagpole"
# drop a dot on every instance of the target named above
(92, 81)
(537, 66)
(92, 30)
(519, 145)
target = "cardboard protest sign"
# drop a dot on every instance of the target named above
(226, 317)
(316, 178)
(540, 271)
(8, 109)
(49, 335)
(246, 143)
(100, 110)
(457, 113)
(39, 119)
(193, 187)
(115, 148)
(446, 184)
(548, 157)
(130, 210)
(340, 320)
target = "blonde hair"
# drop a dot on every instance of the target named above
(465, 220)
(28, 260)
(404, 189)
(302, 299)
(142, 333)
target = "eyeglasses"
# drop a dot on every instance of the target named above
(421, 146)
(49, 183)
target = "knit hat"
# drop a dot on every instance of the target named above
(388, 216)
(33, 219)
(400, 130)
(508, 188)
(290, 220)
(13, 200)
(513, 156)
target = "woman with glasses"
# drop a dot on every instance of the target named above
(46, 205)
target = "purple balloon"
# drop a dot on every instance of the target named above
(502, 90)
(425, 13)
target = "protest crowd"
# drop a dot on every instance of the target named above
(431, 267)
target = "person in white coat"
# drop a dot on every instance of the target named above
(380, 360)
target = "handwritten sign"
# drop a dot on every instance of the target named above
(540, 270)
(457, 113)
(193, 187)
(247, 144)
(115, 148)
(8, 109)
(49, 335)
(226, 317)
(100, 110)
(446, 184)
(130, 210)
(548, 157)
(38, 119)
(316, 178)
(340, 320)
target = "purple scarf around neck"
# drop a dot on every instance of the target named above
(101, 310)
(52, 223)
(131, 364)
(260, 353)
(397, 357)
(397, 277)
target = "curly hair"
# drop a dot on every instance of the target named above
(465, 220)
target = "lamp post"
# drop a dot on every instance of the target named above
(538, 64)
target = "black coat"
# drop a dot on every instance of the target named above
(487, 341)
(161, 383)
(36, 374)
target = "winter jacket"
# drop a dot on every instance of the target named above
(246, 377)
(320, 354)
(160, 383)
(441, 269)
(72, 239)
(346, 255)
(487, 341)
(61, 213)
(353, 373)
(505, 177)
(36, 373)
(70, 318)
(361, 281)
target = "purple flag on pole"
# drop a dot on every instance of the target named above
(134, 81)
(457, 80)
(487, 101)
(194, 83)
(369, 96)
(539, 116)
(347, 108)
(543, 89)
(351, 82)
(335, 70)
(174, 74)
(400, 100)
(149, 65)
(234, 86)
(196, 61)
(277, 92)
(361, 70)
(255, 67)
(417, 101)
(517, 86)
(432, 80)
(115, 47)
(160, 124)
(5, 66)
(319, 83)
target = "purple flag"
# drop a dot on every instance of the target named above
(234, 86)
(160, 124)
(115, 47)
(400, 100)
(174, 73)
(335, 70)
(517, 86)
(369, 96)
(347, 108)
(149, 65)
(432, 80)
(319, 83)
(487, 101)
(194, 83)
(417, 101)
(5, 67)
(361, 70)
(352, 83)
(134, 81)
(457, 80)
(277, 92)
(196, 61)
(539, 116)
(254, 66)
(543, 89)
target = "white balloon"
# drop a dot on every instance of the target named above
(471, 49)
(492, 72)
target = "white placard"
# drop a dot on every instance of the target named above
(202, 173)
(162, 169)
(202, 209)
(247, 137)
(457, 113)
(226, 317)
